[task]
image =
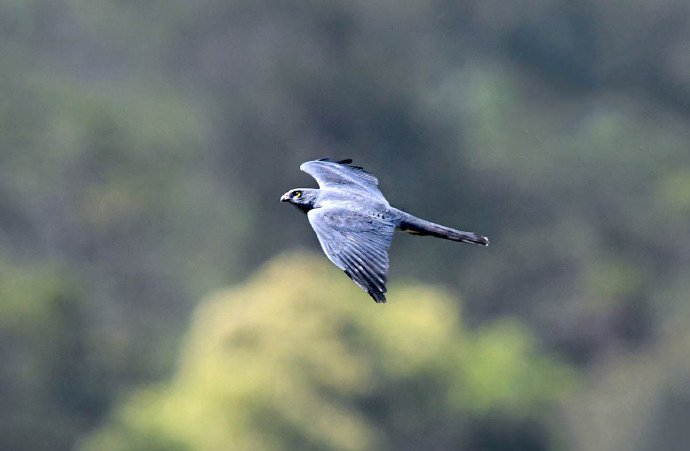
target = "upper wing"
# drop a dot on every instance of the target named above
(357, 244)
(341, 174)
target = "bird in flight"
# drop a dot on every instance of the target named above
(355, 223)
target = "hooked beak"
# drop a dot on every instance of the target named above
(285, 197)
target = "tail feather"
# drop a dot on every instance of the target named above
(416, 226)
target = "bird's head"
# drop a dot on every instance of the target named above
(302, 198)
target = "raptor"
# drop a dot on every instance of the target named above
(355, 223)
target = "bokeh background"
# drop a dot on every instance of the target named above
(155, 295)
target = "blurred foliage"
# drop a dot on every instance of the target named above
(275, 364)
(51, 383)
(641, 400)
(144, 145)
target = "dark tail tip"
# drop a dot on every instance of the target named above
(479, 239)
(469, 237)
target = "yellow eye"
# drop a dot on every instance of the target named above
(297, 194)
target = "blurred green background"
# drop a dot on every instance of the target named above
(155, 295)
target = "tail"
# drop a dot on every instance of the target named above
(416, 226)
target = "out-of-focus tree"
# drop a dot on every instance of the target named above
(634, 402)
(55, 369)
(102, 184)
(297, 358)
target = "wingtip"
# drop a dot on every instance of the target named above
(379, 294)
(331, 160)
(379, 298)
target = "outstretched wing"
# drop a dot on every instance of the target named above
(356, 243)
(342, 174)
